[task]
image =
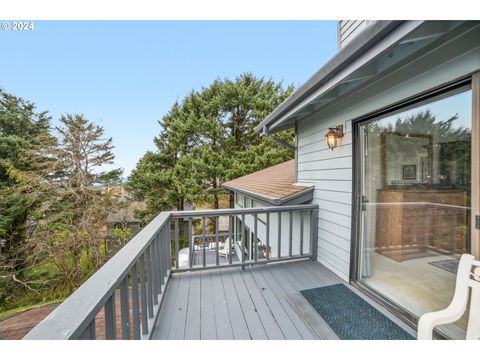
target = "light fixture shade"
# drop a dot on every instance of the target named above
(332, 135)
(331, 139)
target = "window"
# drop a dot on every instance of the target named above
(239, 199)
(261, 217)
(415, 176)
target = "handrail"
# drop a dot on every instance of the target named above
(240, 211)
(139, 273)
(71, 318)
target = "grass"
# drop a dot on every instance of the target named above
(15, 298)
(27, 307)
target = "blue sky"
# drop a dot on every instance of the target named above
(125, 75)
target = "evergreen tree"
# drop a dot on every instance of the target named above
(208, 138)
(70, 228)
(21, 127)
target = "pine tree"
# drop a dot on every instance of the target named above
(70, 228)
(21, 127)
(206, 139)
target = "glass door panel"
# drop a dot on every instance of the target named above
(415, 203)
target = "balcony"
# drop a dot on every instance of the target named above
(183, 277)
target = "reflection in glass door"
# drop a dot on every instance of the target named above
(415, 203)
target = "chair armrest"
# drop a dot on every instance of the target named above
(429, 321)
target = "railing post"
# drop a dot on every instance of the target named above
(124, 309)
(204, 252)
(153, 273)
(191, 244)
(267, 255)
(135, 304)
(314, 233)
(167, 248)
(149, 283)
(243, 241)
(301, 232)
(160, 267)
(217, 260)
(230, 235)
(176, 244)
(255, 237)
(110, 318)
(89, 332)
(279, 250)
(143, 295)
(290, 233)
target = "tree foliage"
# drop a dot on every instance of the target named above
(21, 127)
(206, 139)
(54, 202)
(70, 228)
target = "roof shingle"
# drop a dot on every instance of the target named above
(273, 183)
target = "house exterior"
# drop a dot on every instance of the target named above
(383, 197)
(398, 196)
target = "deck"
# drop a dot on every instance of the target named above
(260, 302)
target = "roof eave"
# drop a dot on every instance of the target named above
(340, 62)
(288, 200)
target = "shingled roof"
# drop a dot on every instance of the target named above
(274, 185)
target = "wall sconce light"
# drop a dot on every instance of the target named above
(332, 135)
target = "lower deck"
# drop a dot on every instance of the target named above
(260, 302)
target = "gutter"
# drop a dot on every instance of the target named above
(269, 200)
(361, 44)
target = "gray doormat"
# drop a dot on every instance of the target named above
(448, 265)
(351, 317)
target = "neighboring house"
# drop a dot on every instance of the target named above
(273, 186)
(386, 171)
(124, 216)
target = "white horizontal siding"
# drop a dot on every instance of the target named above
(349, 29)
(337, 163)
(339, 197)
(330, 171)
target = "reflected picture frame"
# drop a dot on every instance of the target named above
(409, 172)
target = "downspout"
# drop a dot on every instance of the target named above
(278, 141)
(286, 145)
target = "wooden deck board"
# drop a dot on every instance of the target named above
(162, 326)
(192, 329)
(255, 326)
(177, 326)
(208, 330)
(222, 316)
(269, 322)
(237, 318)
(276, 308)
(282, 295)
(260, 302)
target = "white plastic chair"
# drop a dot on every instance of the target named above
(466, 278)
(223, 249)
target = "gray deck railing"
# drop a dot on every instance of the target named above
(138, 275)
(123, 298)
(279, 242)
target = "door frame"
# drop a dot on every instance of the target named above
(473, 82)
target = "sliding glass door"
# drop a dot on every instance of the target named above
(415, 202)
